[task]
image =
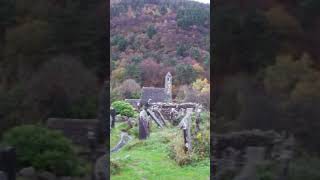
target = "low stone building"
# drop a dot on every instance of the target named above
(155, 94)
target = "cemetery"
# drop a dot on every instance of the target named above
(159, 138)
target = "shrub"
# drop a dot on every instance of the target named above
(181, 49)
(163, 10)
(201, 139)
(151, 31)
(185, 73)
(133, 72)
(136, 59)
(195, 53)
(124, 108)
(177, 151)
(43, 149)
(120, 42)
(114, 95)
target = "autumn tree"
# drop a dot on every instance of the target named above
(151, 31)
(185, 73)
(130, 89)
(133, 71)
(62, 88)
(201, 85)
(295, 83)
(150, 75)
(244, 41)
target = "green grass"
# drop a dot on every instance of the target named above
(149, 160)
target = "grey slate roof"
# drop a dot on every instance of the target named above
(155, 94)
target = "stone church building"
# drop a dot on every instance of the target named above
(155, 94)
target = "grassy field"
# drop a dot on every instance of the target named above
(149, 159)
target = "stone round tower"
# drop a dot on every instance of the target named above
(168, 86)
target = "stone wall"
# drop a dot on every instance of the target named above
(74, 129)
(240, 152)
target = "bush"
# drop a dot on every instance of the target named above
(195, 53)
(124, 108)
(181, 49)
(177, 151)
(201, 139)
(120, 42)
(185, 73)
(136, 59)
(43, 149)
(151, 31)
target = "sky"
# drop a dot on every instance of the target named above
(203, 1)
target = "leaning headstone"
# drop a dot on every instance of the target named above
(124, 139)
(155, 118)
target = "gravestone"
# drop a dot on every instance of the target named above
(155, 118)
(124, 139)
(143, 125)
(113, 117)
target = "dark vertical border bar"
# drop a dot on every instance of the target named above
(212, 92)
(108, 86)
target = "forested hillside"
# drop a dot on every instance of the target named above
(151, 38)
(267, 76)
(52, 59)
